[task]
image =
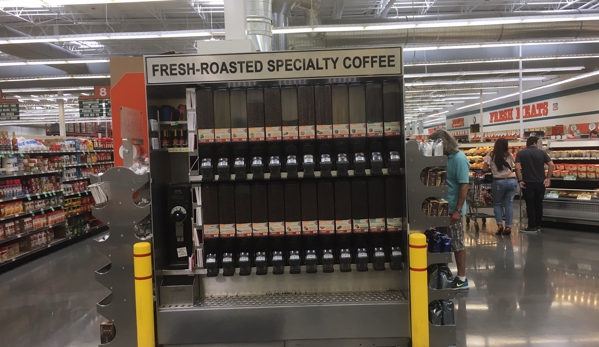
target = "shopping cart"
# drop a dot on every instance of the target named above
(479, 197)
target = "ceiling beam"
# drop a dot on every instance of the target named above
(385, 10)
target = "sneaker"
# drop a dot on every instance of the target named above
(530, 230)
(507, 231)
(499, 230)
(459, 284)
(539, 229)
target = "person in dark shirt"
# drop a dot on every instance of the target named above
(530, 170)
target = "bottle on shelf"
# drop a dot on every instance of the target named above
(15, 142)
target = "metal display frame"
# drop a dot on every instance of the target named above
(121, 215)
(312, 310)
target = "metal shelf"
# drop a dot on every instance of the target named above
(86, 192)
(439, 258)
(88, 164)
(55, 242)
(576, 180)
(74, 179)
(440, 294)
(31, 196)
(442, 335)
(581, 143)
(18, 236)
(23, 174)
(300, 175)
(41, 210)
(280, 317)
(57, 152)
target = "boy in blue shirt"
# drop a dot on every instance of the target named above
(457, 183)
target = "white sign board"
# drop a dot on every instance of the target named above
(175, 69)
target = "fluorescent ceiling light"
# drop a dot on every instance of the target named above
(37, 90)
(489, 80)
(49, 78)
(503, 60)
(336, 28)
(49, 3)
(494, 72)
(390, 26)
(586, 75)
(442, 24)
(190, 34)
(82, 38)
(291, 30)
(36, 40)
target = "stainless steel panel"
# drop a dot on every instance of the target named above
(418, 192)
(286, 317)
(580, 210)
(179, 290)
(320, 282)
(442, 336)
(120, 214)
(395, 342)
(439, 258)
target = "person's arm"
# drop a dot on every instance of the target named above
(519, 175)
(463, 178)
(550, 168)
(487, 164)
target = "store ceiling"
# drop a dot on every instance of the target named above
(444, 46)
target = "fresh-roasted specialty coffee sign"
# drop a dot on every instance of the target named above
(273, 65)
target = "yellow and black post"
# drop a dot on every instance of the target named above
(144, 297)
(419, 290)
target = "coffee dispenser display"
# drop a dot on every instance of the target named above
(300, 208)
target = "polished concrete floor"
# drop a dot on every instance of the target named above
(527, 290)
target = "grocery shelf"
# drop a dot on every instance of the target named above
(300, 174)
(41, 210)
(174, 123)
(56, 152)
(577, 179)
(88, 164)
(25, 174)
(69, 215)
(14, 260)
(31, 196)
(74, 179)
(576, 159)
(86, 192)
(18, 236)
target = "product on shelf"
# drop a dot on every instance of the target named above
(574, 154)
(433, 177)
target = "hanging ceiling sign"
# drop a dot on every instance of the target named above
(9, 108)
(273, 65)
(97, 105)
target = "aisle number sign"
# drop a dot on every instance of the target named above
(97, 105)
(9, 108)
(273, 65)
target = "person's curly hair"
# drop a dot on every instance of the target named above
(450, 145)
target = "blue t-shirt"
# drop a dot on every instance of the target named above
(457, 173)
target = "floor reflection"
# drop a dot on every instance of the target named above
(530, 289)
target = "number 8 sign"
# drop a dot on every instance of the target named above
(102, 92)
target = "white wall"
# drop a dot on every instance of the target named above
(24, 131)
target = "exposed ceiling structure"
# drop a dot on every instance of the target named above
(454, 49)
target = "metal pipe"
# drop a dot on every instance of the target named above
(259, 23)
(62, 128)
(521, 113)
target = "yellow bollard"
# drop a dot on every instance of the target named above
(144, 297)
(419, 290)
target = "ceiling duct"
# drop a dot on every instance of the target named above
(281, 9)
(33, 51)
(259, 23)
(531, 32)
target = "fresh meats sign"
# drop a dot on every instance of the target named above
(540, 109)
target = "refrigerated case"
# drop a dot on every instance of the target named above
(573, 196)
(289, 224)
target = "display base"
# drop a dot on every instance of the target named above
(285, 317)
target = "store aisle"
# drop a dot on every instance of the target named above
(51, 302)
(527, 290)
(530, 290)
